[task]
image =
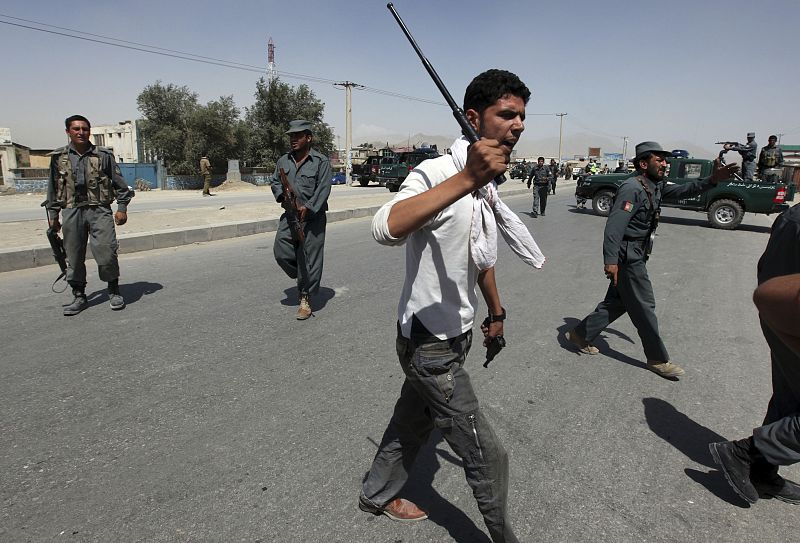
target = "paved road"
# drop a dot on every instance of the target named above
(205, 412)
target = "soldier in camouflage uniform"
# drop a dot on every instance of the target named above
(771, 156)
(84, 181)
(626, 249)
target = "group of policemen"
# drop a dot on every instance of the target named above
(770, 160)
(85, 180)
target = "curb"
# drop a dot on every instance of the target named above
(23, 258)
(42, 255)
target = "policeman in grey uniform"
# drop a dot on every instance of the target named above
(626, 248)
(309, 175)
(771, 157)
(749, 151)
(751, 465)
(541, 176)
(84, 181)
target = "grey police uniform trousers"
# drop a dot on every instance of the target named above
(540, 193)
(748, 169)
(634, 295)
(94, 224)
(437, 392)
(303, 263)
(778, 440)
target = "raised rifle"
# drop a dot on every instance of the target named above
(292, 214)
(59, 253)
(458, 113)
(721, 155)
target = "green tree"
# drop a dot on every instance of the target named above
(166, 111)
(276, 104)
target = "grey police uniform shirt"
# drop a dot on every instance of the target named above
(749, 151)
(782, 255)
(632, 214)
(311, 182)
(541, 175)
(122, 192)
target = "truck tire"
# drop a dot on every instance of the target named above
(725, 214)
(363, 181)
(602, 201)
(392, 187)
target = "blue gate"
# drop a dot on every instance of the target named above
(138, 170)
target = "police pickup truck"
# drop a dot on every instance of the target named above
(393, 170)
(725, 204)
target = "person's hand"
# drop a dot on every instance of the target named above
(120, 218)
(611, 271)
(722, 173)
(491, 331)
(302, 212)
(727, 146)
(486, 159)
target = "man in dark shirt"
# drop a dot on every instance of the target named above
(751, 465)
(309, 175)
(626, 247)
(540, 177)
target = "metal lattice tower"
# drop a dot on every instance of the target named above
(272, 73)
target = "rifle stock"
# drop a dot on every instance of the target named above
(57, 246)
(292, 214)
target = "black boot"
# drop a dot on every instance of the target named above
(117, 301)
(78, 304)
(735, 459)
(769, 484)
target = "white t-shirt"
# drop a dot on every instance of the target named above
(441, 277)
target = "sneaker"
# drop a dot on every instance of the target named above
(117, 301)
(79, 303)
(581, 344)
(776, 487)
(304, 311)
(734, 460)
(665, 369)
(398, 509)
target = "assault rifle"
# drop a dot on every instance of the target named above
(458, 113)
(292, 214)
(57, 246)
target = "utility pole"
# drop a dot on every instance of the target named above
(624, 147)
(779, 137)
(348, 87)
(560, 133)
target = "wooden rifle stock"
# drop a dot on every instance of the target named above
(292, 214)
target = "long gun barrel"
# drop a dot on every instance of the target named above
(292, 214)
(458, 113)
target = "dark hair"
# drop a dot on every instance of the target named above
(540, 158)
(204, 153)
(773, 136)
(69, 120)
(488, 87)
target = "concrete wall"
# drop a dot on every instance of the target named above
(122, 137)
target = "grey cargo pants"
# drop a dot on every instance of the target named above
(94, 224)
(437, 392)
(303, 263)
(778, 440)
(633, 295)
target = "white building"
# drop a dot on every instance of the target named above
(123, 138)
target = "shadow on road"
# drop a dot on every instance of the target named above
(318, 300)
(599, 342)
(704, 224)
(132, 292)
(692, 440)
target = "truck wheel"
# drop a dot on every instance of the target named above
(602, 201)
(364, 181)
(392, 187)
(725, 214)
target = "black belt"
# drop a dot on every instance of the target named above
(631, 238)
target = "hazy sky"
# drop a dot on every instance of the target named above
(677, 71)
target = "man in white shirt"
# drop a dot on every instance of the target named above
(434, 214)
